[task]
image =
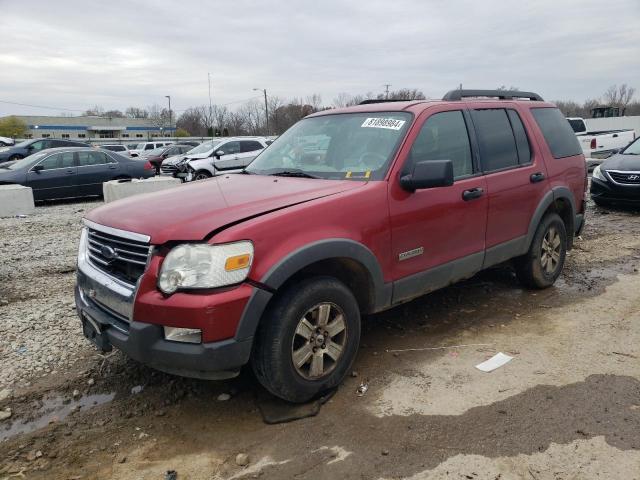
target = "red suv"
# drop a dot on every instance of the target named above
(350, 212)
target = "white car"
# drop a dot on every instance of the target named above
(228, 156)
(6, 142)
(142, 147)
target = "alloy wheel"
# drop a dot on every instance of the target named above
(551, 251)
(319, 341)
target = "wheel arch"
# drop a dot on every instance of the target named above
(558, 200)
(348, 261)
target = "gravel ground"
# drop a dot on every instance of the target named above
(566, 407)
(39, 332)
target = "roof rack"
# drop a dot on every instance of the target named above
(374, 100)
(500, 94)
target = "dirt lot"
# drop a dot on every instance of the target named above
(566, 407)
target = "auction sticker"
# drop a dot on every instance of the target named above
(389, 123)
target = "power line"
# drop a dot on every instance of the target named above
(41, 106)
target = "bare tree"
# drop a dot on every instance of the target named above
(403, 94)
(192, 121)
(113, 114)
(342, 100)
(95, 111)
(618, 96)
(136, 112)
(158, 116)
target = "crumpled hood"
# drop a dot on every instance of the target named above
(193, 210)
(622, 162)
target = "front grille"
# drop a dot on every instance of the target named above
(628, 178)
(122, 258)
(170, 169)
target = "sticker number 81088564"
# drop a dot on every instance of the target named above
(390, 123)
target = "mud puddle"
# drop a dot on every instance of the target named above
(55, 408)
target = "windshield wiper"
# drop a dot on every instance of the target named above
(293, 173)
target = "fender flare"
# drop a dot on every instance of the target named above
(301, 258)
(550, 197)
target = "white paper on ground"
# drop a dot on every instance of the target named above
(498, 360)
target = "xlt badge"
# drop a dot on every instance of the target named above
(411, 253)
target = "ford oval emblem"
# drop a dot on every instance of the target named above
(109, 253)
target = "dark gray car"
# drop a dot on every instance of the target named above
(29, 147)
(72, 172)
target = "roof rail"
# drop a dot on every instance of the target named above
(374, 100)
(500, 94)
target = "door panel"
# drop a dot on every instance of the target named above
(95, 168)
(56, 180)
(515, 191)
(231, 158)
(437, 236)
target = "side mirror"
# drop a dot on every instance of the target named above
(38, 168)
(218, 153)
(428, 174)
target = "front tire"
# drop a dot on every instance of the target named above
(201, 175)
(541, 266)
(15, 157)
(308, 339)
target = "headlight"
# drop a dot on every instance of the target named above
(200, 265)
(598, 174)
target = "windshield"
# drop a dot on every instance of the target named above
(633, 148)
(353, 146)
(140, 146)
(28, 161)
(203, 148)
(155, 151)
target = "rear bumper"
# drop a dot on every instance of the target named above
(612, 193)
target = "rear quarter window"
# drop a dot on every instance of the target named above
(557, 132)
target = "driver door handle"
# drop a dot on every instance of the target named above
(472, 194)
(536, 177)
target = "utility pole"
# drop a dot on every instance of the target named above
(169, 97)
(210, 107)
(386, 95)
(266, 107)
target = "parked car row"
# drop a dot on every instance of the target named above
(72, 171)
(29, 147)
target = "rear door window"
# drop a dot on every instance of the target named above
(250, 146)
(444, 136)
(557, 132)
(495, 138)
(92, 158)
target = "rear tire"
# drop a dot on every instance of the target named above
(541, 266)
(308, 339)
(15, 157)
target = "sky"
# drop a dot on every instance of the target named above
(70, 55)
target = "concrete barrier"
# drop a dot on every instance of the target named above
(115, 190)
(16, 200)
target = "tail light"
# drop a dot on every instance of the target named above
(148, 166)
(593, 144)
